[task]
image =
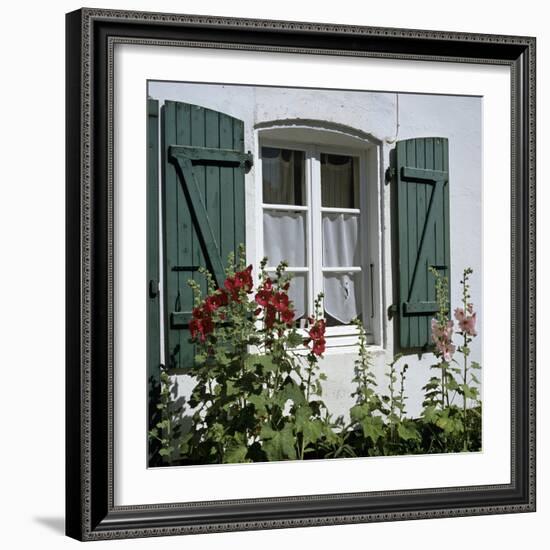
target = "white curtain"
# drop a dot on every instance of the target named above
(341, 248)
(337, 181)
(278, 176)
(340, 240)
(343, 296)
(285, 237)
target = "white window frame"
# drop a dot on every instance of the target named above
(368, 153)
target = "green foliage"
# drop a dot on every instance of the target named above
(258, 387)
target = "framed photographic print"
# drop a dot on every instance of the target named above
(300, 274)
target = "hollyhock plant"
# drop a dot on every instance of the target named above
(466, 318)
(247, 356)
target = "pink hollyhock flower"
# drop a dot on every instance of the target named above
(447, 350)
(459, 314)
(468, 325)
(442, 335)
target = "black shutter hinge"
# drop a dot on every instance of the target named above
(390, 174)
(153, 288)
(392, 310)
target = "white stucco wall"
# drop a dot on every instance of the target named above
(454, 117)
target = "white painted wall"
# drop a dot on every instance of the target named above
(375, 113)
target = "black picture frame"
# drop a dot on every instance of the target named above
(90, 510)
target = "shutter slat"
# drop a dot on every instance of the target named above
(198, 125)
(412, 234)
(421, 212)
(421, 166)
(227, 238)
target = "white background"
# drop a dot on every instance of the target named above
(32, 278)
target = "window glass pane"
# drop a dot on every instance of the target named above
(285, 237)
(283, 176)
(342, 297)
(341, 247)
(339, 181)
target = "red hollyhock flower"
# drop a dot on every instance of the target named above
(287, 316)
(201, 328)
(222, 297)
(243, 279)
(319, 346)
(194, 328)
(317, 331)
(233, 288)
(262, 297)
(207, 326)
(198, 313)
(270, 314)
(210, 304)
(229, 284)
(280, 301)
(215, 301)
(268, 284)
(257, 311)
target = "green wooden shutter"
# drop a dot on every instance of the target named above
(152, 282)
(203, 210)
(422, 182)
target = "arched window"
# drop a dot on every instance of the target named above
(319, 213)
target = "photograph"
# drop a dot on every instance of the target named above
(314, 273)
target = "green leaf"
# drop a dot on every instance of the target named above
(407, 431)
(452, 385)
(470, 393)
(358, 412)
(430, 414)
(312, 429)
(261, 402)
(265, 362)
(166, 451)
(373, 427)
(235, 452)
(278, 445)
(291, 391)
(294, 339)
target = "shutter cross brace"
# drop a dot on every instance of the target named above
(207, 155)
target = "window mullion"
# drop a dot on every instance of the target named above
(316, 225)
